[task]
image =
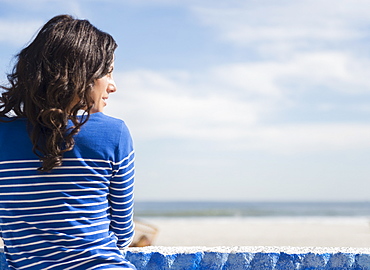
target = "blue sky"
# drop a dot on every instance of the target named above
(232, 100)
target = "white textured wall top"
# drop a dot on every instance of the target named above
(240, 258)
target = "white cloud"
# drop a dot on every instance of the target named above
(163, 107)
(280, 27)
(299, 138)
(233, 103)
(250, 79)
(334, 71)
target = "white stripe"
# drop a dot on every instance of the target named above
(126, 173)
(41, 249)
(19, 161)
(128, 164)
(84, 259)
(87, 159)
(121, 196)
(53, 183)
(83, 167)
(56, 241)
(124, 202)
(122, 189)
(121, 210)
(126, 233)
(66, 258)
(93, 267)
(116, 216)
(63, 159)
(43, 241)
(52, 175)
(126, 158)
(59, 228)
(56, 246)
(122, 222)
(127, 242)
(57, 198)
(51, 234)
(52, 191)
(52, 221)
(18, 169)
(59, 213)
(122, 182)
(54, 206)
(56, 252)
(125, 166)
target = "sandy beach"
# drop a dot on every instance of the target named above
(295, 232)
(300, 232)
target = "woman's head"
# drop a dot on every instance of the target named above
(54, 78)
(62, 63)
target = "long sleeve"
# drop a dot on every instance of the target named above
(121, 190)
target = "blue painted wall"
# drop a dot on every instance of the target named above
(219, 259)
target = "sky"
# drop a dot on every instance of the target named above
(238, 100)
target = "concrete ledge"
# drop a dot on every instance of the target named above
(235, 258)
(261, 258)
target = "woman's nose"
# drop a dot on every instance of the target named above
(112, 86)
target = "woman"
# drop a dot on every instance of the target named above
(66, 169)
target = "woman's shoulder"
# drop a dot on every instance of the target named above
(102, 136)
(102, 120)
(101, 117)
(105, 125)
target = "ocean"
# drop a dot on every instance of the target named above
(251, 209)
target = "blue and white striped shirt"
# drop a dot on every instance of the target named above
(79, 215)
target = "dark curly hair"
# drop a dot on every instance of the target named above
(52, 81)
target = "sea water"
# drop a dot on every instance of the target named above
(251, 209)
(257, 223)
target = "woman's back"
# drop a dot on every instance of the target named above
(76, 216)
